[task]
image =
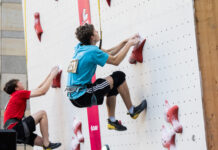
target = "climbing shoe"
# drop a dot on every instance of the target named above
(138, 109)
(52, 146)
(117, 125)
(105, 147)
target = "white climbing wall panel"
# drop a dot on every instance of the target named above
(59, 20)
(169, 71)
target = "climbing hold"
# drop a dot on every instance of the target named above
(37, 26)
(109, 2)
(75, 143)
(77, 127)
(172, 117)
(136, 55)
(57, 80)
(168, 138)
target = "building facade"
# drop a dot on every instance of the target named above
(12, 50)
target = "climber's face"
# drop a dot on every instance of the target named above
(95, 38)
(19, 86)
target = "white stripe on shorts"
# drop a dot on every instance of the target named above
(97, 87)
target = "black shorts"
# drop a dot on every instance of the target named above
(99, 88)
(20, 130)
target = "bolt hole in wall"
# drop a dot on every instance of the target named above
(169, 70)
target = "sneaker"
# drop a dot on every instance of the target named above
(52, 146)
(116, 125)
(138, 109)
(105, 147)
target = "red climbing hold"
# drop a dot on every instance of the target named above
(57, 80)
(136, 55)
(75, 144)
(77, 128)
(168, 138)
(37, 25)
(109, 2)
(172, 117)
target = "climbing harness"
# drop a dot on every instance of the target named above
(9, 122)
(25, 127)
(77, 88)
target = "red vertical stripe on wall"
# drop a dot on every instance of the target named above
(93, 116)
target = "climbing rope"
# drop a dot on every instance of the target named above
(99, 13)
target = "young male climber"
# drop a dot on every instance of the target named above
(15, 109)
(87, 56)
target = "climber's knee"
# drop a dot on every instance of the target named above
(118, 78)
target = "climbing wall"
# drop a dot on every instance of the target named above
(59, 20)
(169, 70)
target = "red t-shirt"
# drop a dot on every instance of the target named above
(16, 106)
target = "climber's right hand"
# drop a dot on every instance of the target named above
(54, 71)
(134, 41)
(136, 35)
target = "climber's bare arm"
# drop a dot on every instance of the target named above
(114, 50)
(45, 85)
(117, 59)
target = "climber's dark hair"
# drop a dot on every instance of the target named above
(10, 86)
(84, 33)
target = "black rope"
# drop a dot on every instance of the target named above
(100, 44)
